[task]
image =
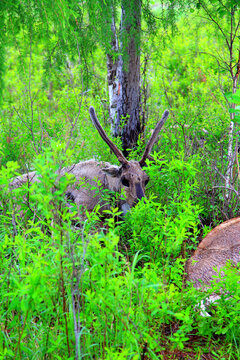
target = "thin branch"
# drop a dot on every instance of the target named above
(215, 22)
(237, 162)
(24, 122)
(75, 282)
(231, 44)
(64, 299)
(229, 187)
(215, 57)
(225, 187)
(29, 128)
(238, 67)
(20, 336)
(225, 7)
(79, 102)
(235, 33)
(41, 127)
(168, 100)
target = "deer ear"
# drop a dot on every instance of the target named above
(113, 170)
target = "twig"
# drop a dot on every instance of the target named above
(41, 127)
(229, 187)
(237, 162)
(30, 94)
(235, 33)
(79, 108)
(168, 100)
(14, 224)
(19, 339)
(224, 187)
(64, 299)
(75, 281)
(215, 22)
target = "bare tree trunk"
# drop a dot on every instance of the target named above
(230, 160)
(144, 94)
(112, 68)
(230, 136)
(128, 105)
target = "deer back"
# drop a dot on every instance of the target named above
(91, 180)
(29, 178)
(128, 176)
(222, 244)
(88, 177)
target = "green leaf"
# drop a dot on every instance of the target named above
(237, 120)
(236, 98)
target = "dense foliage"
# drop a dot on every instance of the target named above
(108, 288)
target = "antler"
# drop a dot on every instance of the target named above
(153, 137)
(104, 136)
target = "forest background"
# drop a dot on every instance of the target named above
(114, 289)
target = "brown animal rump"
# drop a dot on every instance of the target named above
(222, 244)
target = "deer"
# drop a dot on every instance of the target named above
(218, 247)
(129, 176)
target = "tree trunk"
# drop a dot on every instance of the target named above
(230, 158)
(112, 68)
(230, 161)
(128, 104)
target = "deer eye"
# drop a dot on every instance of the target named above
(125, 181)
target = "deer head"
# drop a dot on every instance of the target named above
(130, 174)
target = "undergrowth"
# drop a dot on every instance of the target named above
(109, 291)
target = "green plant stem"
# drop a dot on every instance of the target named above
(19, 339)
(64, 301)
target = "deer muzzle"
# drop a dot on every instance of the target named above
(139, 193)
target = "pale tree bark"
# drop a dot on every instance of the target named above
(112, 68)
(231, 157)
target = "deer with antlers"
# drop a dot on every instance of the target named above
(128, 176)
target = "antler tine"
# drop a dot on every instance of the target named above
(104, 136)
(153, 137)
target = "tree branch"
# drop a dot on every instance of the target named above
(215, 22)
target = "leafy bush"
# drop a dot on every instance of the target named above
(112, 288)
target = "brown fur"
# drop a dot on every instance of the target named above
(90, 172)
(219, 246)
(129, 176)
